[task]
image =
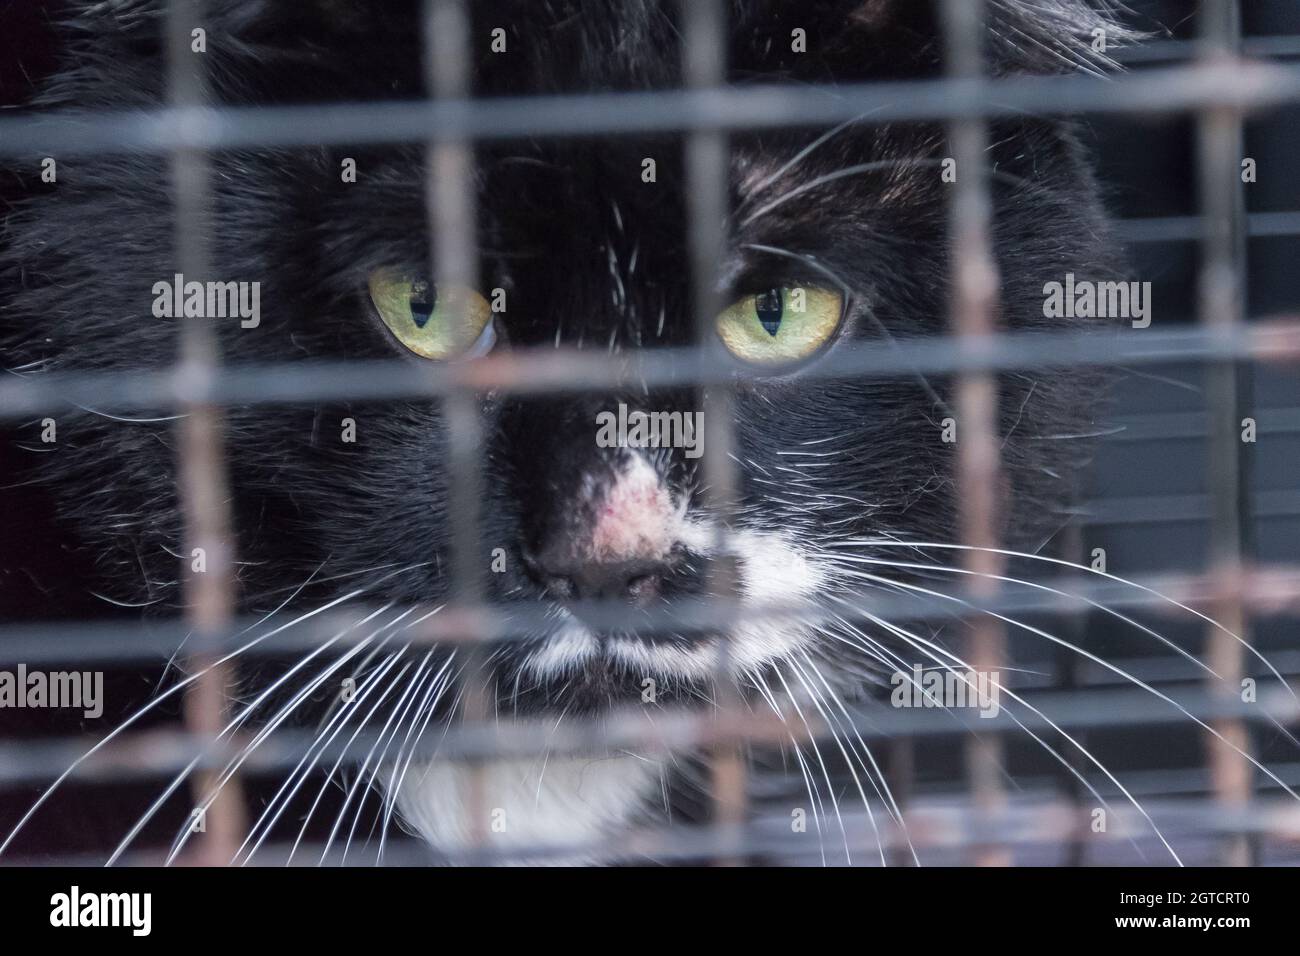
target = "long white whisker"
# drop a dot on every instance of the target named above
(933, 651)
(234, 764)
(385, 737)
(886, 796)
(235, 723)
(1122, 673)
(803, 154)
(157, 701)
(437, 687)
(812, 741)
(434, 692)
(814, 794)
(1041, 587)
(830, 723)
(395, 780)
(343, 751)
(1089, 570)
(336, 722)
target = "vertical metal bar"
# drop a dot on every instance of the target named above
(1068, 673)
(451, 204)
(203, 493)
(1221, 306)
(704, 66)
(901, 779)
(974, 316)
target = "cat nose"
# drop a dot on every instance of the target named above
(635, 581)
(610, 535)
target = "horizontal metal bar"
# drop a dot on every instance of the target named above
(537, 371)
(1190, 780)
(1244, 85)
(1162, 426)
(1032, 818)
(158, 753)
(1192, 228)
(1165, 509)
(1029, 820)
(1271, 590)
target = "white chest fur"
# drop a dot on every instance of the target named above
(560, 802)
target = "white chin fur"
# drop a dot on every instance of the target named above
(560, 802)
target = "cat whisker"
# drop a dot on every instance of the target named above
(947, 661)
(362, 725)
(437, 686)
(353, 780)
(317, 578)
(758, 188)
(856, 170)
(288, 789)
(877, 777)
(402, 704)
(832, 724)
(1120, 672)
(854, 559)
(294, 592)
(233, 765)
(814, 793)
(546, 754)
(1088, 570)
(395, 778)
(875, 166)
(812, 742)
(158, 701)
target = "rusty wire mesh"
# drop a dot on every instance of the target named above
(1220, 87)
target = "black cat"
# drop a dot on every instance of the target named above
(834, 237)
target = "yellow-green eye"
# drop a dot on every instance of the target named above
(782, 325)
(433, 322)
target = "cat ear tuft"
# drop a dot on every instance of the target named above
(1025, 36)
(1058, 36)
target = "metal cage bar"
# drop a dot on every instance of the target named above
(704, 67)
(529, 373)
(208, 560)
(1221, 293)
(453, 227)
(1245, 85)
(974, 316)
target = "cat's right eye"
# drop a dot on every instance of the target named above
(432, 321)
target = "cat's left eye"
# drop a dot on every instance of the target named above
(434, 322)
(782, 325)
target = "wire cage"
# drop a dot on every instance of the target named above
(1218, 515)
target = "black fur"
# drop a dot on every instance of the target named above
(588, 254)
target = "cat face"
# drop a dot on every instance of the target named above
(836, 238)
(592, 257)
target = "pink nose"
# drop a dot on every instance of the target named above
(619, 546)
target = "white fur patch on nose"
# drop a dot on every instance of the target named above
(634, 517)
